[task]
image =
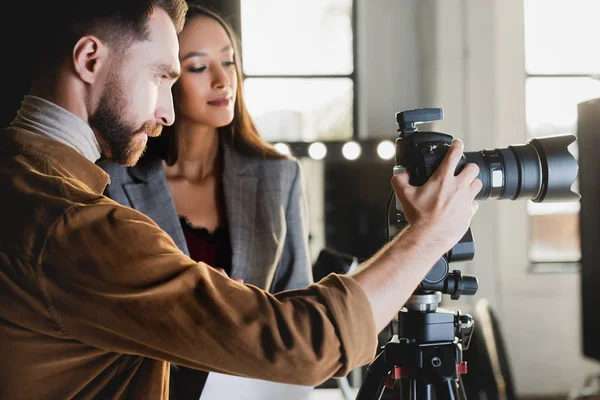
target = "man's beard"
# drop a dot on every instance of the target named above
(118, 135)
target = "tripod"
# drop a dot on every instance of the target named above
(426, 355)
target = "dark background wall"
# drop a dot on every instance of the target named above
(14, 67)
(356, 195)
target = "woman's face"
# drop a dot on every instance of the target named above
(206, 90)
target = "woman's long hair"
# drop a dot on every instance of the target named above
(241, 134)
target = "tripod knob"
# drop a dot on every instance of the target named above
(464, 328)
(465, 321)
(460, 284)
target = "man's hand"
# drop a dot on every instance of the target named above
(439, 214)
(444, 206)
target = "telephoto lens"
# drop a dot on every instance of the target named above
(542, 170)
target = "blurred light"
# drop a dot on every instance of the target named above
(386, 149)
(317, 151)
(351, 150)
(283, 148)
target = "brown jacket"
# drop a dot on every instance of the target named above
(95, 299)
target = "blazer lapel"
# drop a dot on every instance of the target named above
(152, 196)
(239, 186)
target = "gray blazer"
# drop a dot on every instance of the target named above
(266, 212)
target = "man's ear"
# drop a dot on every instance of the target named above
(89, 57)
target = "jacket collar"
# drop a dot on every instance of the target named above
(19, 140)
(43, 117)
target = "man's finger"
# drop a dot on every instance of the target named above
(450, 161)
(469, 173)
(402, 186)
(476, 187)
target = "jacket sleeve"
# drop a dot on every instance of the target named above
(117, 282)
(294, 270)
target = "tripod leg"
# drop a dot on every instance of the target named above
(447, 390)
(420, 390)
(405, 389)
(373, 383)
(462, 394)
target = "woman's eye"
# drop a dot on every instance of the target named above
(198, 69)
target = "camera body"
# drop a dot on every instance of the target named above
(420, 153)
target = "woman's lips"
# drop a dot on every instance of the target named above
(224, 102)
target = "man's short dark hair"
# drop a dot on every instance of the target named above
(59, 24)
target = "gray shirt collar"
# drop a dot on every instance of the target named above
(45, 118)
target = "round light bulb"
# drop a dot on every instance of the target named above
(317, 151)
(283, 148)
(386, 149)
(351, 150)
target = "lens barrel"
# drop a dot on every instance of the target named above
(541, 170)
